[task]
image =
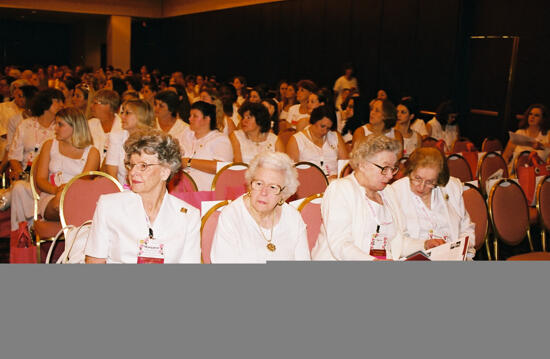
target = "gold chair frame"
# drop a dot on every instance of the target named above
(458, 155)
(486, 235)
(224, 168)
(312, 165)
(207, 215)
(543, 227)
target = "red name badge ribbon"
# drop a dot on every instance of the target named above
(150, 251)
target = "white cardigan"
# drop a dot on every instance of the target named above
(347, 221)
(458, 218)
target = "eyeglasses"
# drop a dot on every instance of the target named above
(273, 189)
(141, 166)
(386, 170)
(419, 181)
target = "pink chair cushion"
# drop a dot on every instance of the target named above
(82, 196)
(476, 208)
(207, 235)
(180, 183)
(459, 168)
(544, 203)
(311, 214)
(491, 145)
(510, 213)
(490, 164)
(312, 181)
(533, 256)
(195, 198)
(228, 178)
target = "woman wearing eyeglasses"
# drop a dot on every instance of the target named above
(105, 119)
(431, 204)
(259, 226)
(359, 220)
(146, 224)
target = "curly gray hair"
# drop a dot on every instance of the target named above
(155, 142)
(277, 161)
(369, 146)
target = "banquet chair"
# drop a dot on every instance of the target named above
(463, 145)
(208, 228)
(346, 170)
(285, 135)
(312, 180)
(521, 160)
(533, 256)
(429, 142)
(229, 182)
(509, 214)
(44, 231)
(310, 209)
(459, 167)
(491, 144)
(489, 164)
(182, 182)
(477, 209)
(543, 208)
(79, 198)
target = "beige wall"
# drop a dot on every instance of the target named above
(119, 36)
(134, 8)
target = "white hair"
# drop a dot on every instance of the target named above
(277, 161)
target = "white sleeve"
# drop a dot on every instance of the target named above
(221, 149)
(99, 239)
(192, 247)
(17, 146)
(12, 127)
(225, 246)
(338, 219)
(301, 252)
(112, 158)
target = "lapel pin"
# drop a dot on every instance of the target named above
(183, 210)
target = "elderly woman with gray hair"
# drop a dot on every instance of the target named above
(259, 226)
(359, 222)
(146, 224)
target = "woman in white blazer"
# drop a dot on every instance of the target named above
(146, 224)
(359, 222)
(431, 204)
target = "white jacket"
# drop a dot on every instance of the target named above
(458, 218)
(347, 221)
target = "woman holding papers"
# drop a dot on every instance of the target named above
(259, 226)
(535, 126)
(359, 211)
(431, 204)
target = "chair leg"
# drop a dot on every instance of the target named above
(488, 249)
(495, 243)
(543, 239)
(530, 240)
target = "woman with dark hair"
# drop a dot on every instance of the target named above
(82, 98)
(117, 85)
(444, 125)
(319, 143)
(228, 97)
(27, 141)
(299, 111)
(534, 124)
(166, 110)
(146, 224)
(431, 205)
(271, 106)
(148, 92)
(239, 82)
(209, 94)
(184, 104)
(255, 135)
(320, 98)
(287, 102)
(204, 145)
(406, 112)
(67, 86)
(256, 95)
(382, 118)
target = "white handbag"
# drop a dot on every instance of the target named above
(75, 243)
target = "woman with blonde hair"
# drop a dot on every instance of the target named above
(259, 226)
(135, 115)
(67, 155)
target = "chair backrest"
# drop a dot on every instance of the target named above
(311, 214)
(459, 167)
(463, 145)
(34, 188)
(182, 182)
(346, 170)
(285, 135)
(80, 195)
(490, 163)
(209, 223)
(509, 211)
(543, 202)
(521, 160)
(477, 209)
(312, 180)
(429, 142)
(491, 145)
(229, 182)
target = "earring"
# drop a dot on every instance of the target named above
(280, 203)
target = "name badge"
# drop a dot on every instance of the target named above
(150, 251)
(378, 246)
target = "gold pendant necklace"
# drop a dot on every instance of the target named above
(270, 246)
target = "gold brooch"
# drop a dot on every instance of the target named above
(183, 210)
